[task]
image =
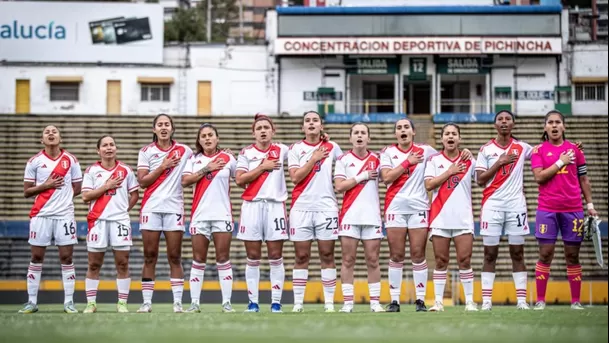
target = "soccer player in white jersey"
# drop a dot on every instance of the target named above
(451, 216)
(54, 177)
(314, 210)
(211, 171)
(159, 171)
(263, 215)
(356, 174)
(407, 210)
(499, 170)
(111, 190)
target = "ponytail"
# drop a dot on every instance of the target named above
(544, 136)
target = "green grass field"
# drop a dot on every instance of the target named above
(503, 324)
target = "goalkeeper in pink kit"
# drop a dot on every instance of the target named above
(561, 173)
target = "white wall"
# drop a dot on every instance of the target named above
(92, 97)
(243, 79)
(589, 60)
(533, 74)
(299, 75)
(243, 83)
(587, 64)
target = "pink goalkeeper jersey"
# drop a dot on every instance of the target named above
(562, 192)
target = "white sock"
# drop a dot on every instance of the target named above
(419, 276)
(328, 280)
(396, 270)
(34, 272)
(91, 289)
(488, 279)
(277, 280)
(348, 293)
(197, 274)
(147, 290)
(69, 280)
(225, 275)
(467, 280)
(123, 286)
(375, 293)
(299, 283)
(520, 281)
(177, 288)
(439, 282)
(252, 277)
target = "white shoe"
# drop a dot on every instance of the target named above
(486, 306)
(145, 308)
(437, 307)
(522, 305)
(298, 308)
(177, 308)
(540, 306)
(329, 308)
(346, 309)
(471, 307)
(577, 306)
(376, 308)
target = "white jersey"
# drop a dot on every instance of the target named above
(505, 190)
(315, 192)
(407, 194)
(114, 204)
(211, 200)
(451, 207)
(165, 195)
(269, 185)
(54, 202)
(361, 204)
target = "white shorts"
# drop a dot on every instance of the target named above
(209, 227)
(44, 230)
(494, 223)
(116, 233)
(161, 221)
(263, 221)
(448, 233)
(362, 232)
(410, 221)
(308, 226)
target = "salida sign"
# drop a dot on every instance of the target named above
(421, 45)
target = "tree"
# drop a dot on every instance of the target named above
(223, 14)
(186, 25)
(190, 24)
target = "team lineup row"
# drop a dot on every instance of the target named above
(318, 168)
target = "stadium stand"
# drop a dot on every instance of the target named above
(19, 138)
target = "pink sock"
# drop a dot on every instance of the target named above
(542, 274)
(574, 274)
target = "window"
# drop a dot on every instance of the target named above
(589, 92)
(155, 92)
(64, 91)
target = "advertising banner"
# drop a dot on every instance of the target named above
(81, 32)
